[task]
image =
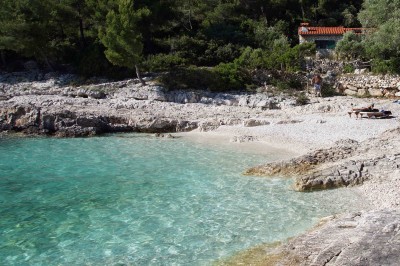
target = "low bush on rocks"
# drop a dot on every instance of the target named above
(328, 91)
(348, 68)
(224, 77)
(188, 78)
(302, 99)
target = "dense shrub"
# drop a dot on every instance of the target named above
(92, 61)
(223, 77)
(188, 78)
(328, 91)
(163, 62)
(218, 52)
(230, 77)
(386, 66)
(287, 83)
(189, 48)
(350, 47)
(251, 59)
(282, 85)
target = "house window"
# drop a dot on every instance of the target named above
(323, 44)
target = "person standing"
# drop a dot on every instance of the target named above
(317, 82)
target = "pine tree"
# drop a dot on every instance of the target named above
(121, 36)
(33, 28)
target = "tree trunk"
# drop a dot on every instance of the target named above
(3, 59)
(302, 10)
(46, 60)
(190, 14)
(82, 35)
(81, 30)
(139, 76)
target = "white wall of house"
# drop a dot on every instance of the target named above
(313, 38)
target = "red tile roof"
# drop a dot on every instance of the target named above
(305, 30)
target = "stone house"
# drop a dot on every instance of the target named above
(325, 38)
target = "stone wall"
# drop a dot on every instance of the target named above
(369, 85)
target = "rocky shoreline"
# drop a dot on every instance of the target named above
(52, 106)
(334, 149)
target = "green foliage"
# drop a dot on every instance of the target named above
(350, 17)
(348, 68)
(250, 58)
(92, 62)
(173, 33)
(224, 77)
(262, 34)
(350, 47)
(328, 91)
(302, 99)
(282, 85)
(287, 84)
(391, 65)
(188, 78)
(295, 84)
(217, 52)
(163, 62)
(375, 13)
(223, 23)
(188, 47)
(31, 28)
(380, 66)
(293, 58)
(121, 36)
(230, 77)
(382, 42)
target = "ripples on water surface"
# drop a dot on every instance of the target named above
(141, 200)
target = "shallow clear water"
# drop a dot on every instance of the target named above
(140, 200)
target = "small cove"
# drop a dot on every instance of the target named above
(135, 199)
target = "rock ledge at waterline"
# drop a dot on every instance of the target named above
(51, 106)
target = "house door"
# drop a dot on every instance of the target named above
(323, 44)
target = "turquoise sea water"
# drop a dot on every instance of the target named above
(139, 200)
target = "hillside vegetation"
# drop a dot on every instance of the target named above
(223, 42)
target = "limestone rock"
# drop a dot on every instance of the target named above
(183, 126)
(349, 174)
(209, 125)
(352, 88)
(183, 97)
(161, 135)
(159, 125)
(241, 139)
(365, 238)
(285, 122)
(375, 92)
(350, 92)
(146, 93)
(304, 164)
(255, 123)
(362, 92)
